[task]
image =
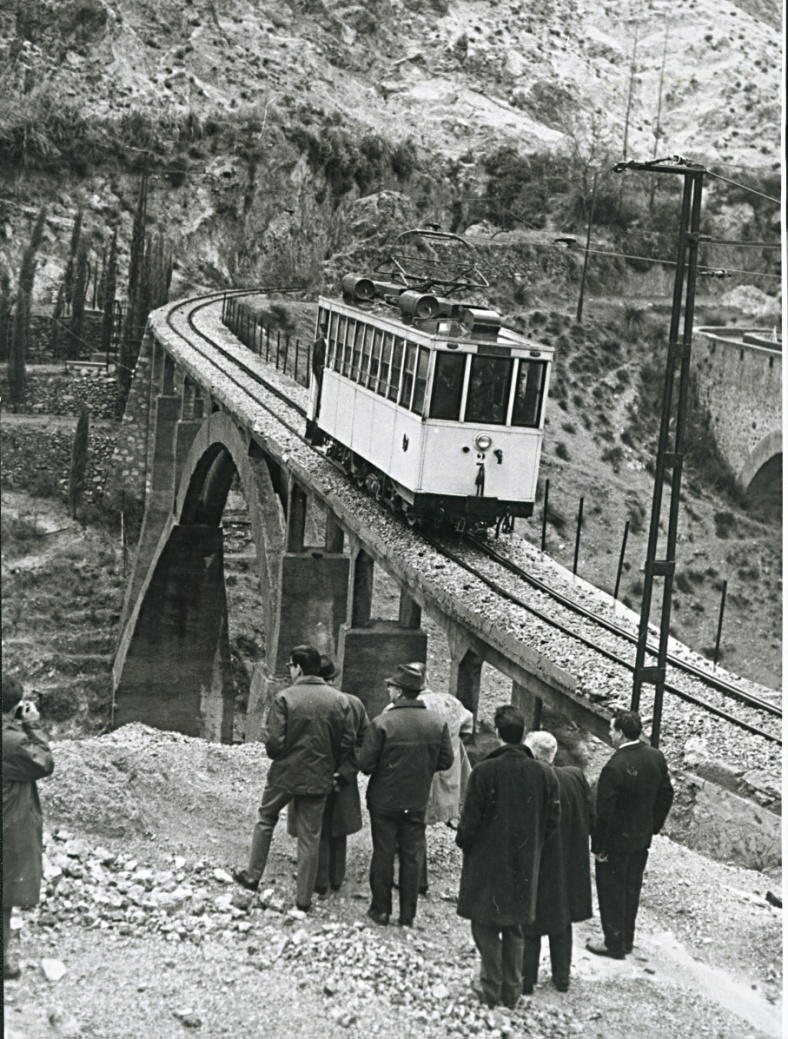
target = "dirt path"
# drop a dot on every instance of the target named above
(706, 964)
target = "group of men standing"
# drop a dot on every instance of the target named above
(524, 826)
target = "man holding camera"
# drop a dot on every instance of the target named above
(26, 758)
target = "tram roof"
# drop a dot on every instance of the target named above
(389, 317)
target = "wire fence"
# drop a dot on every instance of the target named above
(287, 353)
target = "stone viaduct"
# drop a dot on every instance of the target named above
(740, 382)
(189, 431)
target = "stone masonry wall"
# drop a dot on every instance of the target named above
(741, 386)
(51, 391)
(37, 458)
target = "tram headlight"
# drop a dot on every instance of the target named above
(483, 442)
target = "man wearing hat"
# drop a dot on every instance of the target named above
(402, 750)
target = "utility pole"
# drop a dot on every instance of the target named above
(658, 127)
(671, 446)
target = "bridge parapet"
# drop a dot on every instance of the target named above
(740, 383)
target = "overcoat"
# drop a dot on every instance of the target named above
(634, 795)
(564, 891)
(26, 758)
(309, 734)
(342, 814)
(511, 807)
(403, 748)
(448, 787)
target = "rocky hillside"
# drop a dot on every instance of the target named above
(263, 122)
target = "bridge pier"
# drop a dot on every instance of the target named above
(176, 664)
(465, 675)
(530, 704)
(370, 649)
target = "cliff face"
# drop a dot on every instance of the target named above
(266, 121)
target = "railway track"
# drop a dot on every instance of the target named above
(591, 625)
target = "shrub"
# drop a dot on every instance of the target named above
(724, 523)
(562, 451)
(614, 455)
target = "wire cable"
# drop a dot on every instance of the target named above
(744, 187)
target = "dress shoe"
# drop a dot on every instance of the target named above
(528, 990)
(478, 991)
(11, 971)
(335, 887)
(561, 984)
(602, 950)
(381, 919)
(241, 877)
(628, 949)
(322, 891)
(423, 890)
(406, 921)
(303, 909)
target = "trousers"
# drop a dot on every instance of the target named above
(501, 951)
(396, 832)
(309, 818)
(331, 862)
(560, 958)
(618, 884)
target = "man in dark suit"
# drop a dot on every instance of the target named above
(634, 796)
(564, 893)
(511, 807)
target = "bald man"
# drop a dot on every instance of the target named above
(564, 892)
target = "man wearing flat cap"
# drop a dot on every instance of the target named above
(403, 748)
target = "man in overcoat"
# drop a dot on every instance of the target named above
(310, 734)
(342, 812)
(26, 758)
(633, 799)
(564, 892)
(511, 808)
(403, 748)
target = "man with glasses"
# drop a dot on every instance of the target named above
(310, 733)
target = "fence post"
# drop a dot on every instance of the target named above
(621, 560)
(544, 512)
(287, 347)
(577, 536)
(278, 347)
(719, 623)
(296, 361)
(267, 341)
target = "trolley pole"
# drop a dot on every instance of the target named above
(579, 314)
(544, 512)
(671, 445)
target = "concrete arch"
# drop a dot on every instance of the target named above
(172, 667)
(771, 445)
(219, 450)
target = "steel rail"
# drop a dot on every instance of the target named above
(444, 550)
(727, 688)
(609, 654)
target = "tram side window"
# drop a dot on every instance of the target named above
(408, 374)
(422, 367)
(348, 355)
(396, 367)
(358, 339)
(447, 386)
(528, 394)
(341, 323)
(374, 361)
(366, 348)
(385, 364)
(331, 353)
(488, 391)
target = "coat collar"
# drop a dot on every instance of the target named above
(309, 680)
(405, 702)
(507, 748)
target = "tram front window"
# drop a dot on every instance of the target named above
(447, 386)
(488, 391)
